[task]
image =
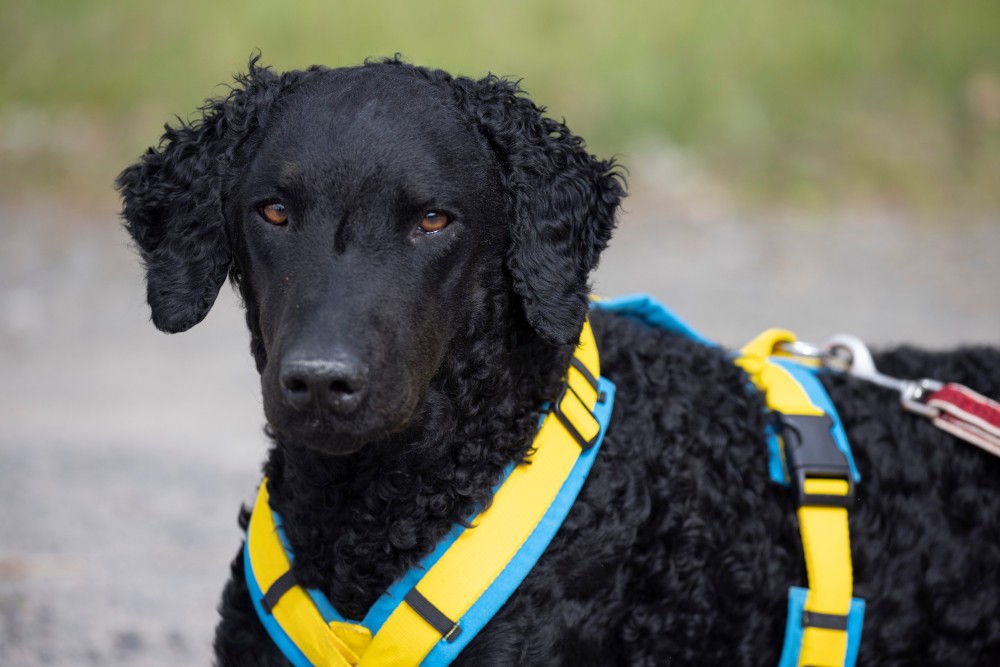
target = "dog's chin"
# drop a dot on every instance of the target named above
(334, 445)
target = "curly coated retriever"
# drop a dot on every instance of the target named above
(413, 251)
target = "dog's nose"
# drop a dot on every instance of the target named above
(338, 385)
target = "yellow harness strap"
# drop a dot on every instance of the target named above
(430, 612)
(822, 511)
(478, 556)
(334, 644)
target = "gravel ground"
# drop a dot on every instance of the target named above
(125, 454)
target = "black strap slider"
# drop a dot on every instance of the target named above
(582, 370)
(584, 443)
(281, 585)
(815, 619)
(449, 629)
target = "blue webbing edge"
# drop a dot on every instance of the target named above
(646, 309)
(775, 457)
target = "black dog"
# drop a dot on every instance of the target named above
(413, 251)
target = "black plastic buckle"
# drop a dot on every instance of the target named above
(812, 453)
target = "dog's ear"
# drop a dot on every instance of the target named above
(172, 204)
(564, 202)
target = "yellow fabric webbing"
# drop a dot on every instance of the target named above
(827, 548)
(825, 536)
(783, 392)
(322, 644)
(479, 554)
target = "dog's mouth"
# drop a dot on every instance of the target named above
(319, 436)
(327, 436)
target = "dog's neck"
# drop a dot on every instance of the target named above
(358, 522)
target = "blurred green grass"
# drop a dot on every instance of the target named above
(804, 102)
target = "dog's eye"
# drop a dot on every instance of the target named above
(275, 213)
(434, 221)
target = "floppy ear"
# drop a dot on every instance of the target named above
(172, 205)
(564, 203)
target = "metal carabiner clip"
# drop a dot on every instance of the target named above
(848, 353)
(858, 361)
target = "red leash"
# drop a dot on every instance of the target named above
(967, 415)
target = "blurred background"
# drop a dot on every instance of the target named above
(823, 166)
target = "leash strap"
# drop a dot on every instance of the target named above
(430, 615)
(824, 621)
(967, 415)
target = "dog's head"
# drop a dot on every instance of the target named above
(368, 215)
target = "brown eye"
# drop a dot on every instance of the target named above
(275, 213)
(434, 222)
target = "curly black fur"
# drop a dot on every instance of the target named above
(679, 550)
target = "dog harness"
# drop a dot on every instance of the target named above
(807, 447)
(429, 615)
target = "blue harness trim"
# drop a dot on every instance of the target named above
(646, 309)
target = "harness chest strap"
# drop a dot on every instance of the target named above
(824, 621)
(465, 581)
